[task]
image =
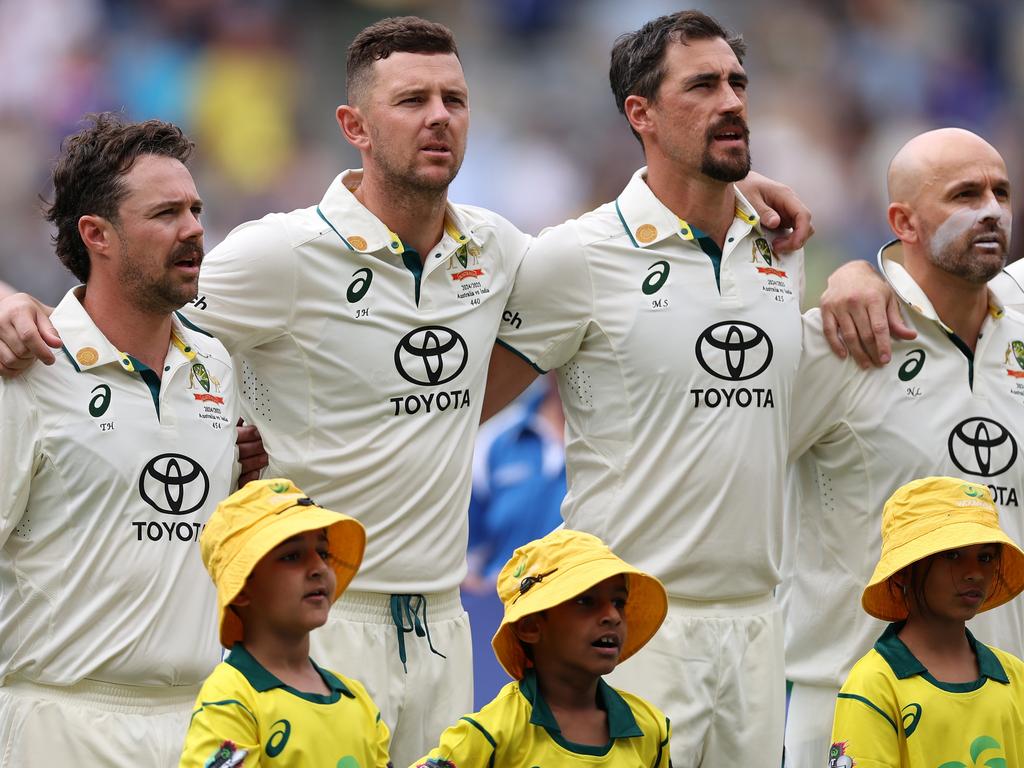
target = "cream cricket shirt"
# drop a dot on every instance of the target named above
(1008, 286)
(936, 409)
(676, 364)
(107, 476)
(364, 370)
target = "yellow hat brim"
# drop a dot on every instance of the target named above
(346, 542)
(881, 602)
(646, 607)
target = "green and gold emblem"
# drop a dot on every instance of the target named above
(1018, 351)
(200, 374)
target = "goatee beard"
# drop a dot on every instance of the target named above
(732, 167)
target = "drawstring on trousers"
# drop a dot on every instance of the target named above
(409, 612)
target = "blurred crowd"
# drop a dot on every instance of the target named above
(836, 86)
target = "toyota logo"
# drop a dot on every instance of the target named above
(734, 350)
(982, 447)
(430, 355)
(174, 484)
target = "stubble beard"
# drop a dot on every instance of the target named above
(957, 258)
(159, 295)
(407, 180)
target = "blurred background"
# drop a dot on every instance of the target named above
(836, 86)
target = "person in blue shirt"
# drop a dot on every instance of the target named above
(518, 482)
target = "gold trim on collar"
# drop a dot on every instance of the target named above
(747, 218)
(395, 243)
(453, 231)
(685, 230)
(182, 346)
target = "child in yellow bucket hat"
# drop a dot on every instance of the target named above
(929, 694)
(573, 611)
(279, 561)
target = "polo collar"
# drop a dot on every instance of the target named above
(1007, 288)
(890, 264)
(361, 231)
(648, 221)
(86, 346)
(904, 664)
(621, 722)
(263, 680)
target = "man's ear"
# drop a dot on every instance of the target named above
(97, 233)
(527, 629)
(637, 111)
(353, 126)
(241, 600)
(902, 223)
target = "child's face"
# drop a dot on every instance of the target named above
(290, 590)
(585, 633)
(953, 585)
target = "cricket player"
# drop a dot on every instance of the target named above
(950, 403)
(111, 460)
(675, 330)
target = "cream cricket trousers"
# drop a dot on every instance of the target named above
(717, 670)
(93, 724)
(809, 725)
(385, 642)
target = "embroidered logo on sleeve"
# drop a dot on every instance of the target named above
(837, 757)
(227, 755)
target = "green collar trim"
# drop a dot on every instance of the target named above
(190, 325)
(147, 374)
(904, 664)
(711, 250)
(329, 224)
(414, 264)
(64, 349)
(621, 722)
(625, 226)
(262, 680)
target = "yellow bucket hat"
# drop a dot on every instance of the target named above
(549, 571)
(931, 515)
(255, 519)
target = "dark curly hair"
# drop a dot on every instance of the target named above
(88, 178)
(638, 58)
(398, 34)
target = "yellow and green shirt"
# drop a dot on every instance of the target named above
(518, 729)
(244, 708)
(891, 713)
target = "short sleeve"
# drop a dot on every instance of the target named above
(664, 758)
(383, 743)
(552, 301)
(820, 393)
(221, 721)
(19, 452)
(247, 286)
(467, 744)
(865, 728)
